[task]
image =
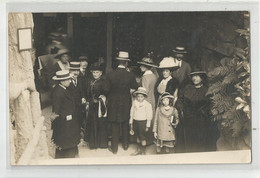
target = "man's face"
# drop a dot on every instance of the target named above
(140, 97)
(83, 65)
(65, 58)
(74, 73)
(179, 57)
(66, 82)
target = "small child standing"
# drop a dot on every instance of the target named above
(165, 121)
(141, 115)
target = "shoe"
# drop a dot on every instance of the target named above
(143, 148)
(111, 150)
(125, 146)
(158, 149)
(167, 150)
(137, 152)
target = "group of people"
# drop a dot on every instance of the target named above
(169, 109)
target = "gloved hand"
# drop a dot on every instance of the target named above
(69, 117)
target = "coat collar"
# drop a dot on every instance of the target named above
(148, 72)
(62, 86)
(121, 67)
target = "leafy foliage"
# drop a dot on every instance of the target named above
(230, 90)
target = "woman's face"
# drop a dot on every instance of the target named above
(66, 82)
(166, 73)
(65, 58)
(166, 101)
(140, 97)
(96, 74)
(143, 68)
(196, 79)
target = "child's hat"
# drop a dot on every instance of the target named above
(166, 95)
(140, 90)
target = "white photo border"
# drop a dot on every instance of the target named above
(223, 170)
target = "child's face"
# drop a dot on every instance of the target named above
(166, 101)
(140, 97)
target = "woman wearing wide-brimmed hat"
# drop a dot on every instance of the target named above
(167, 83)
(196, 108)
(66, 130)
(96, 126)
(64, 58)
(148, 81)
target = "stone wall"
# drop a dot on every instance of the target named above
(24, 102)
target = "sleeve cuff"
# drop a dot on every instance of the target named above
(148, 123)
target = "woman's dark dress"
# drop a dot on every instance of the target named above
(197, 124)
(96, 127)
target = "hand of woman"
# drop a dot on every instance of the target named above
(146, 129)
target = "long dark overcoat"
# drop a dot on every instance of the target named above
(118, 85)
(66, 134)
(200, 131)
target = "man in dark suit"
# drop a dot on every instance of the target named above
(66, 131)
(181, 74)
(76, 89)
(119, 84)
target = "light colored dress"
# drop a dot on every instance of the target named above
(163, 126)
(149, 80)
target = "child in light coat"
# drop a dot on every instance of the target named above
(165, 121)
(141, 115)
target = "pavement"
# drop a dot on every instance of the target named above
(84, 150)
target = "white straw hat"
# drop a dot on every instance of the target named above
(123, 56)
(62, 75)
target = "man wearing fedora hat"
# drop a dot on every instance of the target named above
(66, 131)
(118, 85)
(183, 72)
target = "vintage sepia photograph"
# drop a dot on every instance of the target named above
(88, 88)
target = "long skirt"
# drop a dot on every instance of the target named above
(97, 130)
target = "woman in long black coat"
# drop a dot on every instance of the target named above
(200, 132)
(96, 126)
